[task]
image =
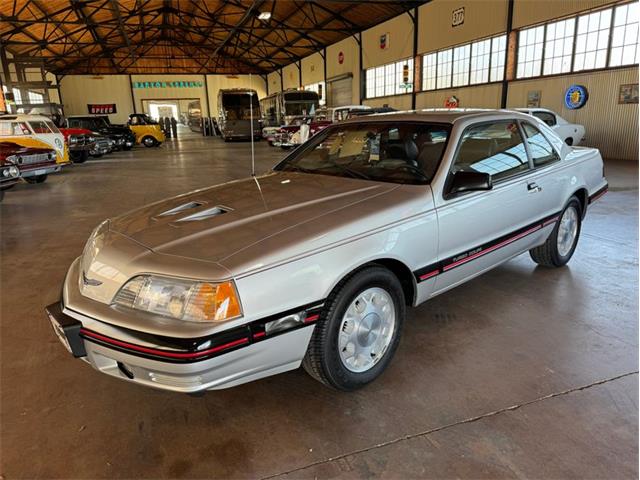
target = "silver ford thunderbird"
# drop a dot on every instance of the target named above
(315, 262)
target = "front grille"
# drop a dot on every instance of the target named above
(35, 158)
(102, 143)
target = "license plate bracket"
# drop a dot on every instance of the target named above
(67, 329)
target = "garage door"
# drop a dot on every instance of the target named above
(339, 91)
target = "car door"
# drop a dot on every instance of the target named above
(549, 180)
(478, 230)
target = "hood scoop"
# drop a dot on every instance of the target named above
(205, 214)
(180, 208)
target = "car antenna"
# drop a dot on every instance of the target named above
(253, 155)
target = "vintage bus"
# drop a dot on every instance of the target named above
(235, 107)
(282, 107)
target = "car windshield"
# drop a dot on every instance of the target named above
(90, 123)
(380, 151)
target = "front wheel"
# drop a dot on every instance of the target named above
(80, 157)
(149, 141)
(559, 247)
(37, 179)
(358, 331)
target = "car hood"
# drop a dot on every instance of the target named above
(113, 130)
(241, 223)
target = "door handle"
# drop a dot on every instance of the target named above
(533, 187)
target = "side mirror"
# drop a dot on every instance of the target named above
(469, 182)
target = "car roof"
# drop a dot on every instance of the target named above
(22, 117)
(440, 115)
(533, 109)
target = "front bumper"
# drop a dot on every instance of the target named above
(34, 170)
(223, 360)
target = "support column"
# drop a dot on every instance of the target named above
(133, 98)
(508, 65)
(416, 77)
(362, 79)
(206, 92)
(299, 65)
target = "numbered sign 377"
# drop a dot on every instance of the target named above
(101, 108)
(457, 18)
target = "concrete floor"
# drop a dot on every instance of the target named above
(523, 372)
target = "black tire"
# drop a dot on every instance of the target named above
(37, 179)
(569, 141)
(149, 141)
(322, 360)
(547, 254)
(80, 157)
(126, 149)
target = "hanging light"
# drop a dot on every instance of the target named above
(264, 16)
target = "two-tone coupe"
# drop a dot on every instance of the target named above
(315, 262)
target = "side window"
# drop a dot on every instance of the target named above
(546, 117)
(539, 147)
(39, 127)
(496, 148)
(73, 123)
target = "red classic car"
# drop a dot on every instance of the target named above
(33, 163)
(9, 172)
(290, 136)
(80, 142)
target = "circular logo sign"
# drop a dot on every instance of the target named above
(451, 102)
(340, 58)
(575, 97)
(58, 143)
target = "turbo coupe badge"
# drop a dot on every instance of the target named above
(575, 97)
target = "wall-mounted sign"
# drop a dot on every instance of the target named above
(533, 98)
(340, 58)
(628, 93)
(171, 84)
(451, 102)
(384, 41)
(457, 17)
(575, 97)
(101, 108)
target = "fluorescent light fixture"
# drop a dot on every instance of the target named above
(264, 16)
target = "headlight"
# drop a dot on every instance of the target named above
(73, 139)
(188, 300)
(14, 171)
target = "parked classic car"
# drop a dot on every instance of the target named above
(146, 130)
(80, 142)
(34, 158)
(123, 138)
(571, 133)
(315, 262)
(35, 131)
(9, 172)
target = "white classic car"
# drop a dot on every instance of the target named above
(315, 262)
(571, 133)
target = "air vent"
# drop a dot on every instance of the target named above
(181, 208)
(204, 214)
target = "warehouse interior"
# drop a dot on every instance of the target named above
(521, 372)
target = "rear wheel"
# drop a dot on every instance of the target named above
(358, 331)
(559, 247)
(149, 141)
(37, 179)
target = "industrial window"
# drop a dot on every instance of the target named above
(17, 96)
(498, 53)
(445, 59)
(558, 46)
(391, 79)
(461, 57)
(480, 58)
(624, 38)
(35, 97)
(530, 46)
(429, 71)
(592, 40)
